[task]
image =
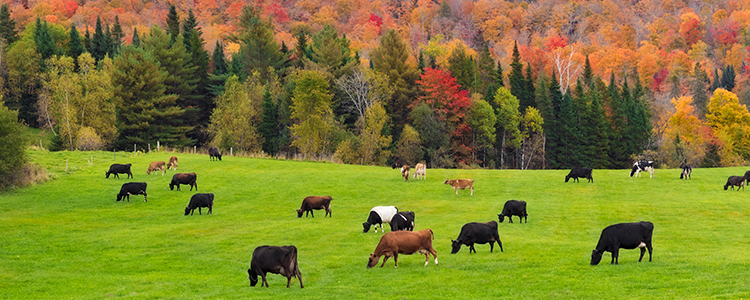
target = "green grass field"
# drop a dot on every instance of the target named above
(69, 238)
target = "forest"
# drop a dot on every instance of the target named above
(454, 83)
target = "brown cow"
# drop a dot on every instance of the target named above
(155, 166)
(405, 172)
(420, 170)
(315, 202)
(172, 164)
(405, 242)
(461, 184)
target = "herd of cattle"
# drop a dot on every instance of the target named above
(402, 239)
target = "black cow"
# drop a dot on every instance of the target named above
(184, 178)
(477, 233)
(198, 201)
(686, 170)
(738, 181)
(119, 169)
(277, 260)
(379, 215)
(514, 208)
(580, 172)
(747, 177)
(132, 188)
(214, 153)
(626, 236)
(403, 221)
(642, 166)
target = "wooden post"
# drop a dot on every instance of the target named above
(66, 165)
(149, 147)
(194, 148)
(158, 146)
(40, 144)
(230, 151)
(134, 149)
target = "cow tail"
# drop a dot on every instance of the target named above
(432, 234)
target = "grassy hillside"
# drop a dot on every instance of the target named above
(70, 239)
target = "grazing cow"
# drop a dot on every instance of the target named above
(198, 201)
(405, 172)
(184, 178)
(379, 215)
(132, 188)
(172, 164)
(214, 153)
(477, 233)
(686, 170)
(514, 208)
(403, 221)
(626, 236)
(277, 260)
(738, 181)
(155, 166)
(747, 177)
(580, 172)
(643, 166)
(403, 242)
(461, 184)
(119, 169)
(315, 202)
(420, 171)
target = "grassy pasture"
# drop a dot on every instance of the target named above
(70, 239)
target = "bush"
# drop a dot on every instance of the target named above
(88, 139)
(13, 151)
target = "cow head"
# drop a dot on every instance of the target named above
(119, 196)
(501, 217)
(596, 257)
(366, 225)
(726, 186)
(372, 261)
(253, 277)
(447, 181)
(171, 186)
(187, 210)
(299, 213)
(456, 246)
(567, 177)
(107, 174)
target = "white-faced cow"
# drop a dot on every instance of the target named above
(420, 171)
(477, 233)
(379, 215)
(315, 202)
(213, 153)
(514, 208)
(405, 172)
(172, 164)
(738, 181)
(198, 201)
(132, 188)
(686, 170)
(575, 173)
(461, 184)
(119, 169)
(403, 242)
(626, 236)
(403, 221)
(277, 260)
(643, 166)
(184, 178)
(156, 166)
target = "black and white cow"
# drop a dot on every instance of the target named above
(738, 181)
(626, 236)
(213, 152)
(198, 201)
(686, 170)
(277, 260)
(579, 172)
(477, 233)
(379, 215)
(643, 166)
(119, 169)
(403, 221)
(132, 188)
(514, 208)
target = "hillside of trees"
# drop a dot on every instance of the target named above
(495, 84)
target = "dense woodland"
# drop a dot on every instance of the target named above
(454, 83)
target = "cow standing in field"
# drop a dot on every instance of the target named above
(405, 172)
(132, 188)
(575, 173)
(514, 208)
(155, 166)
(315, 202)
(626, 236)
(172, 164)
(477, 233)
(738, 181)
(213, 153)
(184, 178)
(403, 242)
(643, 166)
(461, 184)
(379, 215)
(686, 170)
(420, 171)
(403, 221)
(198, 201)
(747, 177)
(277, 260)
(119, 169)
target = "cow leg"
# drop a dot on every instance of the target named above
(650, 249)
(456, 190)
(471, 248)
(395, 258)
(144, 196)
(264, 281)
(209, 209)
(616, 254)
(510, 219)
(643, 251)
(472, 191)
(385, 257)
(434, 253)
(492, 245)
(199, 210)
(288, 280)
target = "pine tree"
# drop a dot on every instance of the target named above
(485, 70)
(699, 90)
(497, 83)
(45, 45)
(258, 49)
(727, 78)
(117, 36)
(518, 85)
(177, 63)
(420, 62)
(136, 38)
(445, 10)
(87, 40)
(529, 90)
(173, 23)
(219, 75)
(588, 73)
(75, 47)
(598, 129)
(556, 143)
(301, 49)
(99, 43)
(269, 126)
(330, 52)
(462, 68)
(110, 40)
(717, 80)
(190, 27)
(7, 25)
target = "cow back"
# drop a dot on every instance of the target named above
(626, 235)
(386, 213)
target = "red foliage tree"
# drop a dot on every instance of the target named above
(277, 12)
(70, 8)
(555, 42)
(726, 34)
(691, 31)
(444, 95)
(377, 22)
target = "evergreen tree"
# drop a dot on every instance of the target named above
(445, 10)
(75, 46)
(302, 50)
(727, 78)
(529, 90)
(556, 144)
(717, 81)
(462, 68)
(331, 53)
(258, 49)
(518, 84)
(497, 83)
(639, 119)
(87, 40)
(136, 38)
(117, 36)
(177, 63)
(269, 126)
(699, 90)
(485, 70)
(190, 27)
(45, 45)
(173, 23)
(99, 43)
(544, 104)
(110, 40)
(588, 73)
(597, 130)
(7, 25)
(618, 150)
(220, 73)
(13, 155)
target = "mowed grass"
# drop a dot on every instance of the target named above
(70, 239)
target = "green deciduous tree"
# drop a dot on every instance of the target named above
(373, 148)
(311, 110)
(237, 115)
(508, 121)
(481, 120)
(408, 149)
(13, 152)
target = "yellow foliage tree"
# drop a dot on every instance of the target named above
(685, 136)
(730, 122)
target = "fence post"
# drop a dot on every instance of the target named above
(158, 146)
(149, 147)
(230, 151)
(40, 144)
(134, 148)
(194, 147)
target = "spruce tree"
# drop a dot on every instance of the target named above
(618, 156)
(258, 49)
(7, 25)
(220, 73)
(699, 90)
(588, 73)
(497, 83)
(190, 27)
(445, 10)
(598, 129)
(717, 80)
(301, 49)
(75, 47)
(518, 84)
(136, 38)
(87, 40)
(99, 43)
(420, 62)
(117, 35)
(45, 45)
(173, 23)
(177, 63)
(110, 40)
(529, 90)
(269, 125)
(485, 70)
(727, 78)
(462, 68)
